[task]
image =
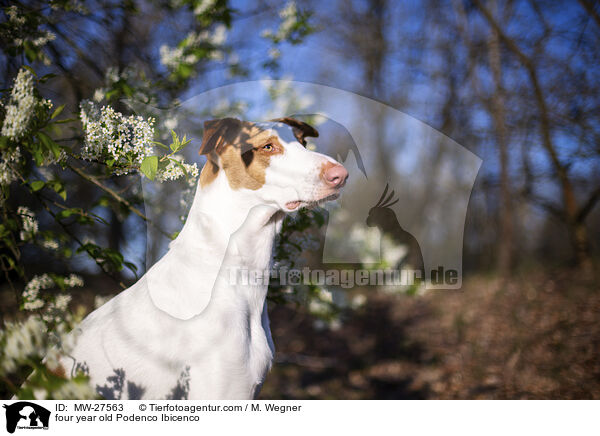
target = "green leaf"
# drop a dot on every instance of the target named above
(59, 187)
(27, 67)
(160, 144)
(47, 77)
(67, 213)
(127, 90)
(103, 201)
(57, 111)
(150, 166)
(38, 157)
(131, 266)
(37, 185)
(175, 143)
(30, 53)
(66, 120)
(50, 144)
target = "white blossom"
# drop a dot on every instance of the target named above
(8, 161)
(274, 53)
(286, 100)
(325, 295)
(99, 95)
(55, 311)
(203, 6)
(172, 57)
(40, 394)
(31, 294)
(50, 159)
(318, 307)
(52, 358)
(62, 301)
(13, 15)
(289, 18)
(74, 281)
(171, 123)
(376, 247)
(44, 39)
(22, 341)
(358, 301)
(111, 135)
(75, 390)
(219, 35)
(335, 324)
(100, 300)
(21, 107)
(50, 244)
(28, 222)
(112, 75)
(174, 170)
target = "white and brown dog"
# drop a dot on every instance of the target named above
(188, 328)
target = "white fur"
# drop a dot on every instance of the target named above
(185, 320)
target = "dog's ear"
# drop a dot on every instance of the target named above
(217, 133)
(300, 128)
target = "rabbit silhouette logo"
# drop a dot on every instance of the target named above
(26, 415)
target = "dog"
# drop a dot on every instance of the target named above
(189, 328)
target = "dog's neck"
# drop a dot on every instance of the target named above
(205, 246)
(218, 211)
(227, 207)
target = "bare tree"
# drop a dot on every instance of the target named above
(572, 212)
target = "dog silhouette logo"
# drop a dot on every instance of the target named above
(26, 415)
(384, 218)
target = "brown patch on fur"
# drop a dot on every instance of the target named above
(238, 145)
(209, 173)
(245, 162)
(218, 133)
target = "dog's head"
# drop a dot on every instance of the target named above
(269, 160)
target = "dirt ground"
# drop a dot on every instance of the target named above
(534, 337)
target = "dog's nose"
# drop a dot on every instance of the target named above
(335, 175)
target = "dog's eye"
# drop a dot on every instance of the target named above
(268, 147)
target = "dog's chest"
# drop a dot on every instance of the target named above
(237, 362)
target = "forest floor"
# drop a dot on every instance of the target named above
(534, 337)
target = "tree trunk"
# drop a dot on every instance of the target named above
(505, 237)
(581, 245)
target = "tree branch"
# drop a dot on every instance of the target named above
(561, 170)
(588, 206)
(117, 197)
(589, 7)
